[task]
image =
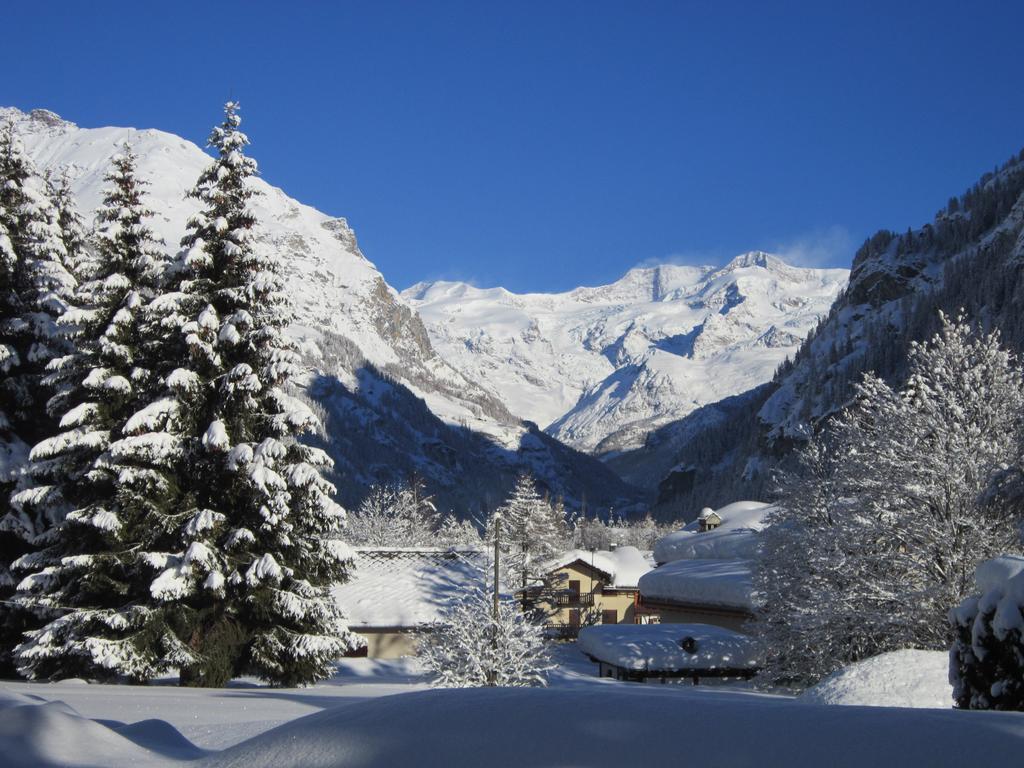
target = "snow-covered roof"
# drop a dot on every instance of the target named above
(624, 566)
(736, 537)
(725, 583)
(405, 588)
(658, 647)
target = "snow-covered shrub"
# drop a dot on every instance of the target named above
(986, 662)
(395, 516)
(471, 647)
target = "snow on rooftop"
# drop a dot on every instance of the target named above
(404, 588)
(658, 647)
(736, 537)
(624, 565)
(725, 583)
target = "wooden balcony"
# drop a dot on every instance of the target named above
(574, 598)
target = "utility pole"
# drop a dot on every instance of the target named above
(492, 676)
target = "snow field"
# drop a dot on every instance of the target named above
(381, 714)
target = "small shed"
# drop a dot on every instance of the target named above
(708, 520)
(642, 652)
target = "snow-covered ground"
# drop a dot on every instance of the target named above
(382, 714)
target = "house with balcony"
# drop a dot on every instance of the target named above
(587, 587)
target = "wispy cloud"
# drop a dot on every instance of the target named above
(686, 259)
(828, 247)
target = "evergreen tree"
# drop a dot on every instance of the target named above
(258, 547)
(35, 288)
(73, 231)
(92, 581)
(532, 530)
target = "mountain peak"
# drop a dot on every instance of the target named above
(39, 118)
(754, 259)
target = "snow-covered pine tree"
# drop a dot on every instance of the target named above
(13, 455)
(258, 535)
(91, 581)
(532, 530)
(470, 647)
(36, 288)
(73, 230)
(881, 534)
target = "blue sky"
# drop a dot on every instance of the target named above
(544, 145)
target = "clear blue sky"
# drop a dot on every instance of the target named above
(543, 145)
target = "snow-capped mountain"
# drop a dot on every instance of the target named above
(969, 259)
(602, 367)
(392, 406)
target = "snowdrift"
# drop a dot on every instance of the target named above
(613, 726)
(906, 678)
(39, 735)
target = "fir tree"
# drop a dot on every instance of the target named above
(258, 547)
(93, 579)
(532, 530)
(35, 288)
(73, 230)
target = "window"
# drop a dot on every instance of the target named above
(609, 616)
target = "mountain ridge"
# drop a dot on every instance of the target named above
(393, 406)
(631, 355)
(969, 258)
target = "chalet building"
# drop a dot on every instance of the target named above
(700, 591)
(704, 573)
(592, 587)
(395, 595)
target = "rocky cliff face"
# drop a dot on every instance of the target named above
(392, 405)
